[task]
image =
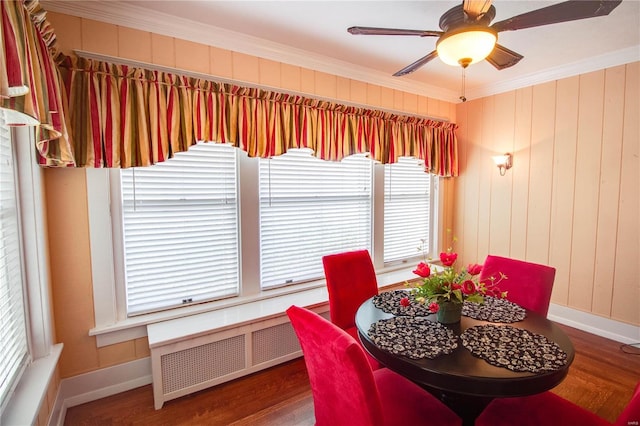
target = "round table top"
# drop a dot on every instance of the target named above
(462, 373)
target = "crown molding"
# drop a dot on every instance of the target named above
(126, 15)
(118, 13)
(595, 63)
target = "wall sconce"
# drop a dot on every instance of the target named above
(504, 162)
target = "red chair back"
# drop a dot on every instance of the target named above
(528, 284)
(342, 383)
(351, 279)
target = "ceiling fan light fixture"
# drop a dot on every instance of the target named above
(466, 46)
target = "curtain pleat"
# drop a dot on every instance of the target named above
(30, 82)
(144, 117)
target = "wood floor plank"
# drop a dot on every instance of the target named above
(601, 380)
(602, 377)
(293, 412)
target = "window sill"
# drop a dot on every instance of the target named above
(307, 294)
(25, 403)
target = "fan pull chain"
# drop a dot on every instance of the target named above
(463, 98)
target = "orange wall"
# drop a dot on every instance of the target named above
(66, 188)
(571, 198)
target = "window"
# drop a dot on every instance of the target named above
(290, 211)
(309, 208)
(407, 209)
(14, 353)
(180, 229)
(26, 328)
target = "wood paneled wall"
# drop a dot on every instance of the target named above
(66, 188)
(571, 198)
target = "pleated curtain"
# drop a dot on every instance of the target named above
(31, 92)
(125, 116)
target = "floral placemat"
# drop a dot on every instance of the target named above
(494, 310)
(513, 348)
(413, 337)
(389, 302)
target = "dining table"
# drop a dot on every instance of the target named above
(497, 350)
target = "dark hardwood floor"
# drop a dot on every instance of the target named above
(601, 380)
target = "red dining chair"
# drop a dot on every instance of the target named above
(346, 391)
(528, 284)
(549, 409)
(351, 279)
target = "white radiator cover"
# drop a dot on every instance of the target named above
(195, 363)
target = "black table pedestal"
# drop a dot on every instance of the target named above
(465, 406)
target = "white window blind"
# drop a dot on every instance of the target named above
(180, 229)
(407, 208)
(310, 208)
(13, 348)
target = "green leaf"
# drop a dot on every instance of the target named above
(476, 298)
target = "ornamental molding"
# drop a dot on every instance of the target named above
(127, 15)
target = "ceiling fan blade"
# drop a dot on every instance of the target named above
(393, 31)
(417, 64)
(572, 10)
(475, 8)
(502, 58)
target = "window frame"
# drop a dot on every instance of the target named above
(24, 405)
(112, 325)
(17, 312)
(35, 248)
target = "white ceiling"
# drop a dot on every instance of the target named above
(314, 34)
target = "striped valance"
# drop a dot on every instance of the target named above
(31, 92)
(124, 116)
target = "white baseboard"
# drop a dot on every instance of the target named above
(112, 380)
(99, 384)
(594, 324)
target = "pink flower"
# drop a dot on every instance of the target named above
(434, 307)
(455, 286)
(405, 302)
(474, 269)
(448, 259)
(468, 287)
(422, 270)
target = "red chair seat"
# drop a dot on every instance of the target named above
(543, 409)
(346, 391)
(396, 392)
(551, 410)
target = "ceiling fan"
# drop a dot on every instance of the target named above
(468, 37)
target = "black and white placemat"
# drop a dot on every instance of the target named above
(513, 348)
(413, 337)
(494, 310)
(389, 302)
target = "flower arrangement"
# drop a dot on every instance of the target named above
(450, 286)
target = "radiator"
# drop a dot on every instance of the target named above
(196, 363)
